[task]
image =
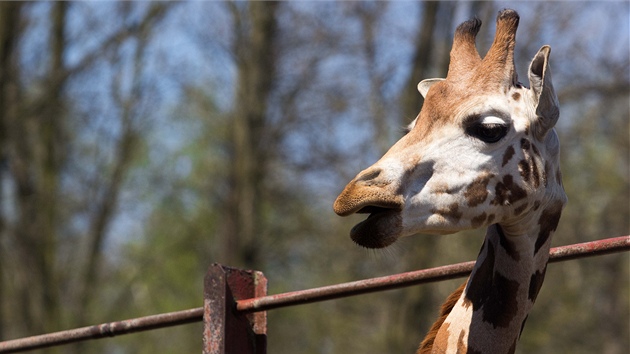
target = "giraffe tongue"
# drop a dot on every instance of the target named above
(380, 229)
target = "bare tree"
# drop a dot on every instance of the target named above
(36, 143)
(254, 55)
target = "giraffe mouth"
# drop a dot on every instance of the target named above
(381, 228)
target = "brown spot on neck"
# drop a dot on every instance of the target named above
(491, 293)
(427, 344)
(548, 222)
(535, 283)
(461, 346)
(516, 96)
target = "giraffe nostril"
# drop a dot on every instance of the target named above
(369, 175)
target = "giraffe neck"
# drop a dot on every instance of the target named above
(491, 311)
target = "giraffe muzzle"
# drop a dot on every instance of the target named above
(367, 196)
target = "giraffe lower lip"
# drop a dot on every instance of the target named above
(379, 230)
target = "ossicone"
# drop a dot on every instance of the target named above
(464, 55)
(499, 61)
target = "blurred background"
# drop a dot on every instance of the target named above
(142, 141)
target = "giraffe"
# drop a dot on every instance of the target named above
(483, 152)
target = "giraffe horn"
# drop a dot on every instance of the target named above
(499, 61)
(464, 55)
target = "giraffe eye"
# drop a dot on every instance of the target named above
(488, 132)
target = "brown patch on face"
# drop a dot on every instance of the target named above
(490, 218)
(477, 192)
(507, 192)
(478, 220)
(519, 210)
(507, 245)
(528, 167)
(536, 205)
(535, 283)
(509, 152)
(450, 212)
(516, 96)
(525, 144)
(548, 222)
(535, 174)
(529, 171)
(524, 169)
(495, 291)
(440, 188)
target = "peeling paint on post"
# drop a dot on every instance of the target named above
(225, 330)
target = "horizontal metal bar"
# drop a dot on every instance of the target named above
(563, 253)
(110, 329)
(558, 254)
(590, 249)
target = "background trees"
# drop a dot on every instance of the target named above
(140, 142)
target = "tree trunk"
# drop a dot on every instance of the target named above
(255, 58)
(34, 147)
(410, 99)
(9, 32)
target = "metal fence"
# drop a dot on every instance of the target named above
(236, 301)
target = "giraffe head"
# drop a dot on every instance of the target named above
(482, 150)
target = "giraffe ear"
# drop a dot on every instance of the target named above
(547, 107)
(425, 85)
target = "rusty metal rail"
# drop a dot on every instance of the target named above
(103, 330)
(263, 303)
(557, 254)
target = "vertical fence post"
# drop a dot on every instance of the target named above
(225, 331)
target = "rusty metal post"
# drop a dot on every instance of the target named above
(225, 330)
